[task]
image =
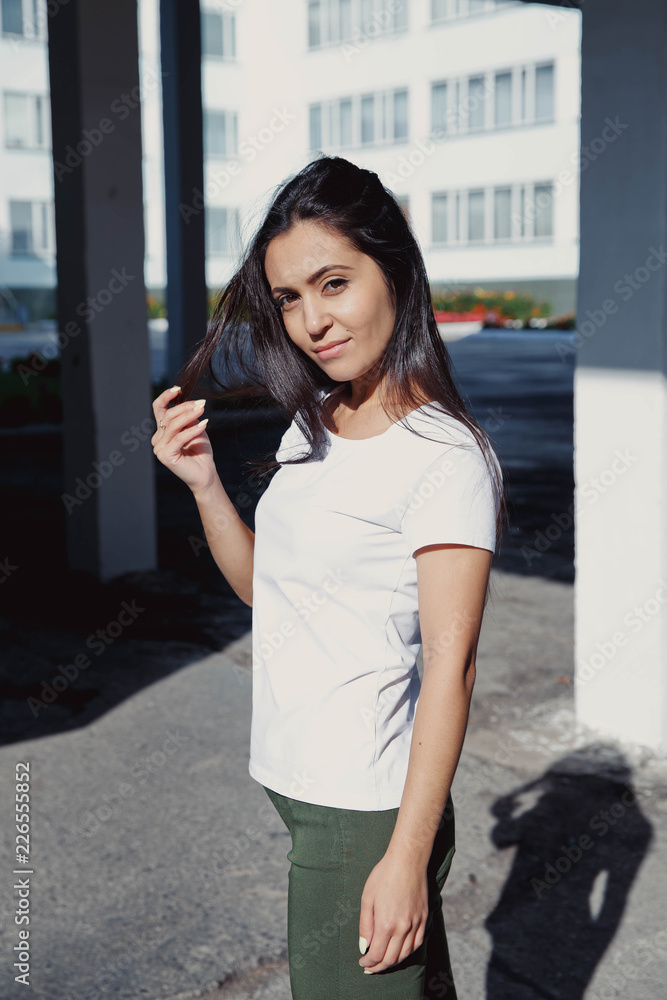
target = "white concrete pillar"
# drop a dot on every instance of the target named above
(108, 477)
(620, 388)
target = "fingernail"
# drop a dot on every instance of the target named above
(202, 423)
(363, 945)
(174, 387)
(198, 404)
(367, 972)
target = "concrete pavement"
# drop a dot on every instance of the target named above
(160, 867)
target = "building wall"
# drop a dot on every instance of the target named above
(260, 80)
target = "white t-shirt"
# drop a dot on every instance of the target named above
(335, 618)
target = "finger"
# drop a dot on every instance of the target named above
(388, 958)
(175, 419)
(378, 950)
(187, 436)
(409, 945)
(365, 930)
(161, 401)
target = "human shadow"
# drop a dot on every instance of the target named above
(580, 839)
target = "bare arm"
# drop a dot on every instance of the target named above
(232, 543)
(451, 582)
(450, 617)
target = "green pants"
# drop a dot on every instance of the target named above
(333, 852)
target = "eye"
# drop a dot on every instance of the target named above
(283, 300)
(340, 281)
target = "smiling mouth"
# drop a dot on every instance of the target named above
(332, 351)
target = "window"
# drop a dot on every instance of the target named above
(368, 118)
(502, 213)
(12, 17)
(475, 215)
(220, 133)
(315, 125)
(367, 16)
(400, 114)
(439, 107)
(222, 229)
(503, 99)
(25, 121)
(330, 22)
(335, 22)
(345, 122)
(314, 25)
(359, 120)
(218, 33)
(475, 104)
(345, 18)
(544, 223)
(487, 215)
(521, 95)
(442, 10)
(401, 16)
(524, 106)
(31, 225)
(544, 92)
(520, 222)
(439, 204)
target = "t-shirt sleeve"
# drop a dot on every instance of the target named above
(454, 501)
(292, 444)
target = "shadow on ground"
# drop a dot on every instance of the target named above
(580, 840)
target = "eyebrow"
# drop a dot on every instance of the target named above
(314, 277)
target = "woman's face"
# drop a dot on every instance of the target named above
(328, 291)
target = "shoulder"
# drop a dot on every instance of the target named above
(440, 440)
(438, 429)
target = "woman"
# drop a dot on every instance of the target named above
(375, 536)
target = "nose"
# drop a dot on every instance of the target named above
(316, 318)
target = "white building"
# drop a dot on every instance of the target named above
(467, 109)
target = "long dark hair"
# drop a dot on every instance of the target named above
(416, 365)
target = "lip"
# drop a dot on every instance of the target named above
(331, 350)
